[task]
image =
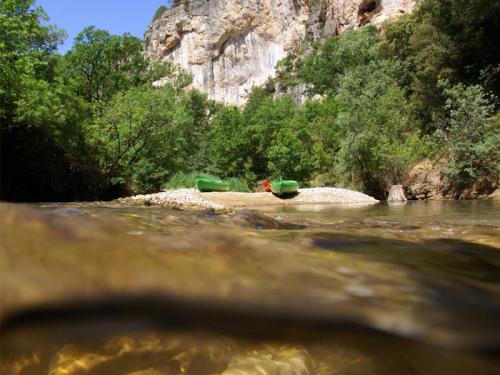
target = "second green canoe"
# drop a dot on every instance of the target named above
(207, 185)
(285, 187)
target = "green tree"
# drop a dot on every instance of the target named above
(196, 131)
(263, 118)
(26, 47)
(320, 117)
(453, 40)
(39, 116)
(473, 27)
(136, 137)
(100, 65)
(229, 144)
(336, 55)
(378, 143)
(368, 134)
(145, 135)
(289, 154)
(425, 53)
(470, 135)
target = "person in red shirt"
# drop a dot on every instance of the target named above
(267, 186)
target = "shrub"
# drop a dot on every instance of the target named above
(186, 180)
(470, 134)
(238, 184)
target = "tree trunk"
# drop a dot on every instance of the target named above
(396, 194)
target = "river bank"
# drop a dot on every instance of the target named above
(192, 198)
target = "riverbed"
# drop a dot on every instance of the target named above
(103, 288)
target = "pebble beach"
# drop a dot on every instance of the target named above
(193, 199)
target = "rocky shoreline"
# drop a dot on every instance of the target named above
(193, 199)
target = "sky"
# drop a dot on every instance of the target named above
(116, 16)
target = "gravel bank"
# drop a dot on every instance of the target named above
(188, 198)
(192, 198)
(334, 195)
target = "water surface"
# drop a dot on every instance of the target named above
(104, 289)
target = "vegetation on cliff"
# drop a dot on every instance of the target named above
(90, 124)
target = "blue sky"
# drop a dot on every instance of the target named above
(116, 16)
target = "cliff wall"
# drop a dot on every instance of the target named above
(229, 46)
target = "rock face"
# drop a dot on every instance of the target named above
(426, 181)
(229, 46)
(495, 195)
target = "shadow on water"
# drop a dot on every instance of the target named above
(287, 196)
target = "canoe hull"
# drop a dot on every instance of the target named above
(207, 185)
(285, 187)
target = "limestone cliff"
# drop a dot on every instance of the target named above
(229, 46)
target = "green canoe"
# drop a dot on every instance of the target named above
(206, 185)
(285, 187)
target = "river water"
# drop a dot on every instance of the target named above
(345, 289)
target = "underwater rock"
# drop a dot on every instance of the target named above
(286, 361)
(258, 220)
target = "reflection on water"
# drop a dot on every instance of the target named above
(94, 289)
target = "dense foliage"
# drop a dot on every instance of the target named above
(469, 134)
(39, 117)
(64, 118)
(91, 124)
(145, 135)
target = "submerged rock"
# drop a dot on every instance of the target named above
(122, 355)
(258, 220)
(286, 361)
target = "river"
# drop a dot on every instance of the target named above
(99, 288)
